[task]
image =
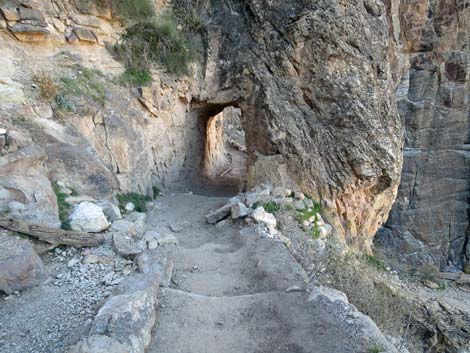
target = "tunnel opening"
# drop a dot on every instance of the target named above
(219, 165)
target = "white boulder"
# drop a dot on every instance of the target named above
(88, 217)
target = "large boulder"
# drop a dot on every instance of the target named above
(88, 217)
(20, 266)
(129, 318)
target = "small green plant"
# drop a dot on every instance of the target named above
(376, 349)
(271, 207)
(63, 206)
(64, 104)
(136, 76)
(375, 262)
(442, 286)
(305, 215)
(138, 200)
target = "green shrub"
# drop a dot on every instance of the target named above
(136, 77)
(133, 10)
(306, 214)
(429, 272)
(84, 84)
(188, 14)
(63, 206)
(158, 41)
(373, 261)
(271, 207)
(64, 104)
(138, 200)
(376, 349)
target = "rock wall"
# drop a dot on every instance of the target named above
(130, 140)
(429, 223)
(315, 86)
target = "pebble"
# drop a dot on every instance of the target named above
(73, 262)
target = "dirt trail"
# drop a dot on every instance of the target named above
(235, 292)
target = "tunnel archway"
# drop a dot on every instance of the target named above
(218, 164)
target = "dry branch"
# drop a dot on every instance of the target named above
(51, 235)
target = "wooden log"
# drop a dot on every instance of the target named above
(51, 235)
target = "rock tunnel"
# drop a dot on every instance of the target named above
(218, 163)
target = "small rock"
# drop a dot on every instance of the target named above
(72, 200)
(308, 203)
(110, 210)
(299, 205)
(126, 246)
(239, 210)
(325, 230)
(91, 259)
(167, 239)
(431, 284)
(257, 196)
(292, 289)
(179, 227)
(299, 196)
(3, 132)
(66, 191)
(261, 216)
(73, 262)
(124, 227)
(129, 207)
(138, 218)
(328, 293)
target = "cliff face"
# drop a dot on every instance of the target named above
(430, 220)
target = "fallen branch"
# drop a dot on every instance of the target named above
(51, 235)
